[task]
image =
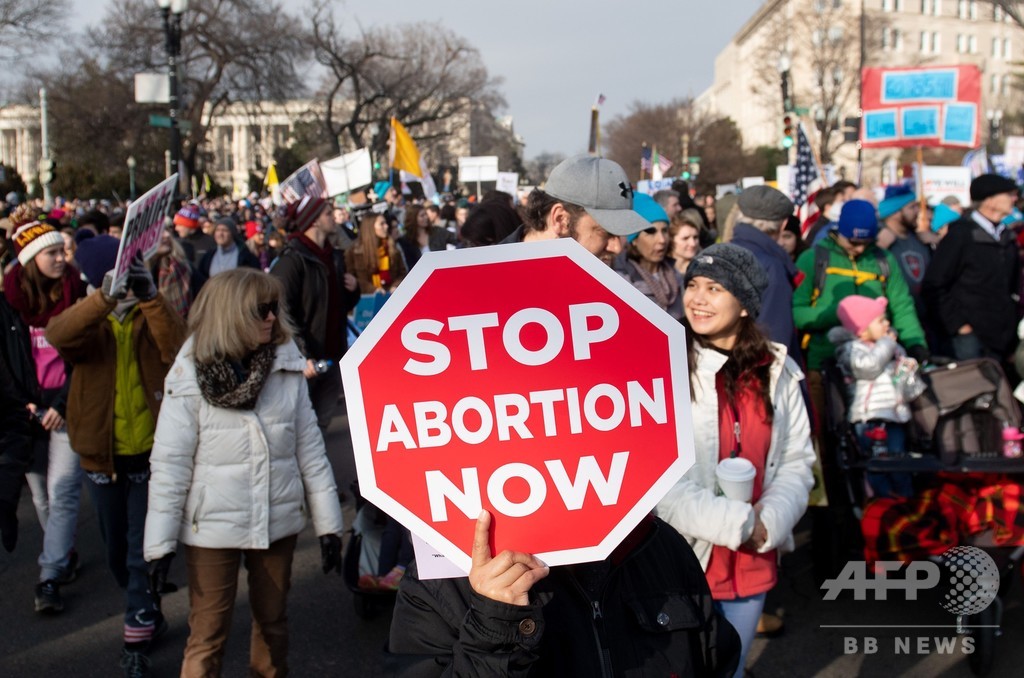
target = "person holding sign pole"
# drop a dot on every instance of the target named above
(739, 503)
(122, 347)
(645, 610)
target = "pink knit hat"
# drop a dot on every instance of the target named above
(857, 312)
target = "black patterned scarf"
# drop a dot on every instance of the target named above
(236, 386)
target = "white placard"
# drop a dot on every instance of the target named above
(938, 182)
(747, 182)
(152, 88)
(478, 168)
(432, 564)
(1014, 152)
(652, 186)
(507, 182)
(143, 229)
(347, 172)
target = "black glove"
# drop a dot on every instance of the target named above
(920, 353)
(140, 280)
(8, 525)
(330, 553)
(158, 570)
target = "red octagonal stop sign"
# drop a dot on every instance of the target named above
(529, 380)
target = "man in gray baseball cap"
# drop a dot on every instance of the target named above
(585, 198)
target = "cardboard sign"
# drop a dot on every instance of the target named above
(347, 172)
(937, 182)
(508, 182)
(478, 168)
(521, 403)
(935, 106)
(143, 228)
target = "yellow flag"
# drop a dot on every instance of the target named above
(403, 154)
(271, 181)
(207, 184)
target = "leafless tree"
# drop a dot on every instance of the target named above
(426, 76)
(231, 50)
(660, 126)
(26, 23)
(822, 44)
(1012, 8)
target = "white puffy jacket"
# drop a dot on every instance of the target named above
(706, 519)
(241, 479)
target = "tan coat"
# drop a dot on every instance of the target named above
(355, 263)
(83, 336)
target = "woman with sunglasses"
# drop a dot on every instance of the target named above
(238, 463)
(644, 262)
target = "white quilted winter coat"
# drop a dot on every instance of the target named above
(705, 519)
(240, 479)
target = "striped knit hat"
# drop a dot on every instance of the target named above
(32, 236)
(303, 212)
(187, 216)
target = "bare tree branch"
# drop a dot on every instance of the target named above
(26, 23)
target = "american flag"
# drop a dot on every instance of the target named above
(600, 100)
(645, 159)
(805, 171)
(664, 163)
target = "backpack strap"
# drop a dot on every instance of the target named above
(822, 270)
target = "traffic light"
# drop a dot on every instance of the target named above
(46, 171)
(788, 130)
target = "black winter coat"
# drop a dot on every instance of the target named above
(246, 259)
(16, 354)
(15, 442)
(971, 280)
(305, 281)
(646, 611)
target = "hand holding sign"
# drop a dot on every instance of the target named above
(507, 577)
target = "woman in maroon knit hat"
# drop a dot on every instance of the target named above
(39, 286)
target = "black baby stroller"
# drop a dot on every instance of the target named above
(361, 557)
(956, 430)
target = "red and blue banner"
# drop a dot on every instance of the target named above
(934, 106)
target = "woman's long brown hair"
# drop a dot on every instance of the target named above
(41, 292)
(749, 364)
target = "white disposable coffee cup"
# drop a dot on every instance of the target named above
(736, 478)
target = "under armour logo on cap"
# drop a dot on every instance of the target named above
(627, 190)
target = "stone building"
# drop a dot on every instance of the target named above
(818, 45)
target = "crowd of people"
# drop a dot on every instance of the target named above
(194, 403)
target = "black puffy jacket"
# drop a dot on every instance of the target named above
(646, 611)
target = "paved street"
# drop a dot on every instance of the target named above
(329, 640)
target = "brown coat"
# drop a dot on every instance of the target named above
(355, 263)
(83, 336)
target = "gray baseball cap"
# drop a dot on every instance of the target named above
(599, 186)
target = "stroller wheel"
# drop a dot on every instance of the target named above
(985, 633)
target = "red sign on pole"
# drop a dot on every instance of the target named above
(934, 106)
(529, 380)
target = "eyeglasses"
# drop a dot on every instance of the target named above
(650, 231)
(264, 310)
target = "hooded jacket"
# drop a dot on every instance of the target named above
(818, 318)
(871, 367)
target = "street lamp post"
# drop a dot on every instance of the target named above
(784, 65)
(131, 177)
(995, 122)
(172, 11)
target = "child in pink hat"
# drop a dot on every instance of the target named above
(884, 381)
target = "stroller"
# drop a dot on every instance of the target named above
(955, 433)
(361, 557)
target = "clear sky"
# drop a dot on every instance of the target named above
(556, 56)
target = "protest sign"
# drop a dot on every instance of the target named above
(936, 182)
(307, 180)
(934, 106)
(143, 228)
(564, 410)
(347, 172)
(367, 307)
(651, 186)
(507, 182)
(478, 168)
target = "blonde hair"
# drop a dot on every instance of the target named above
(224, 322)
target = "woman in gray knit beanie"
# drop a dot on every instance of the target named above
(747, 409)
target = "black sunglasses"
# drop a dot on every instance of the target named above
(653, 230)
(264, 310)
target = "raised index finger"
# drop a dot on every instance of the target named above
(482, 540)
